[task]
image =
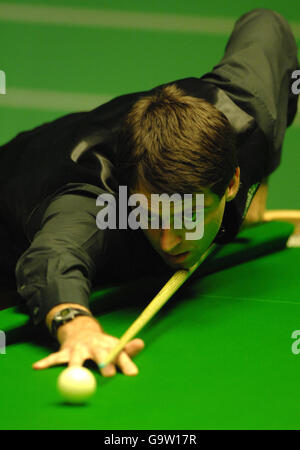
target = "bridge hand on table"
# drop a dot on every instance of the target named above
(83, 339)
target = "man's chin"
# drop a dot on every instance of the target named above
(184, 266)
(183, 261)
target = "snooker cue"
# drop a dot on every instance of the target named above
(174, 283)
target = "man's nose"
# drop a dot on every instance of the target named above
(169, 240)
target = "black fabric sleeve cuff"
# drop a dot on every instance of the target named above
(43, 294)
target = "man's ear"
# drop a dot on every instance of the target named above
(233, 186)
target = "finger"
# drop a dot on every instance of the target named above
(60, 357)
(134, 347)
(126, 365)
(99, 355)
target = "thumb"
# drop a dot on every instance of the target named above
(60, 357)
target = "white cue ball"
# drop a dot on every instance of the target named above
(76, 384)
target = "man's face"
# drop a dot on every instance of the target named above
(172, 245)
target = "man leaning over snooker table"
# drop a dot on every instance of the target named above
(220, 135)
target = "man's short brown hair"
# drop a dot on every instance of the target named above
(174, 143)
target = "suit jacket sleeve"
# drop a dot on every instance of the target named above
(61, 261)
(256, 73)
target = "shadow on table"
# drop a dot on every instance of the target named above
(135, 294)
(250, 244)
(18, 327)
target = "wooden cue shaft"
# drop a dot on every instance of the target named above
(155, 305)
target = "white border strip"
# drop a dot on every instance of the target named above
(51, 100)
(52, 15)
(12, 12)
